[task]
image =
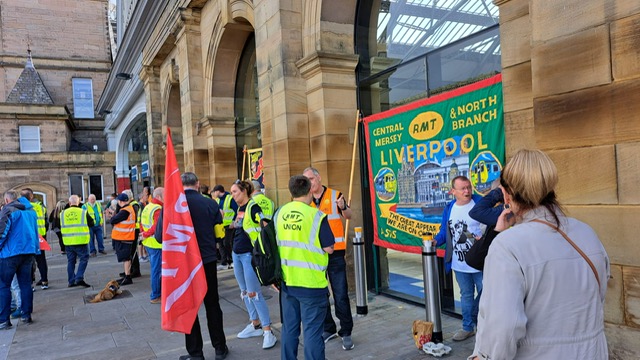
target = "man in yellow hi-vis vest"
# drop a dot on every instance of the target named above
(332, 203)
(75, 223)
(304, 240)
(148, 221)
(95, 210)
(43, 225)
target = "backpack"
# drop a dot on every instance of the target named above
(266, 257)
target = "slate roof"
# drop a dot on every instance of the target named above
(29, 88)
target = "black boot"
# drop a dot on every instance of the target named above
(126, 280)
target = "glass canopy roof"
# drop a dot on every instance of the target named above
(409, 28)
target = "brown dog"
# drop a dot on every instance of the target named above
(109, 292)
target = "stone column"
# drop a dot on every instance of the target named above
(331, 99)
(221, 136)
(284, 121)
(189, 59)
(150, 77)
(332, 106)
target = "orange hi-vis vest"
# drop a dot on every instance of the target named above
(125, 230)
(328, 206)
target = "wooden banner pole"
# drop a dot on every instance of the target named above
(353, 164)
(244, 160)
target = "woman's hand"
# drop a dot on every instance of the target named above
(506, 219)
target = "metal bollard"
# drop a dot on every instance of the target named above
(431, 286)
(361, 273)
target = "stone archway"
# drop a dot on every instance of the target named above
(223, 55)
(137, 119)
(328, 26)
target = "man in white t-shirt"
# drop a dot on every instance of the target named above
(459, 231)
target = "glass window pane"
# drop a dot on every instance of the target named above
(29, 139)
(476, 57)
(402, 86)
(82, 98)
(401, 30)
(247, 109)
(95, 186)
(75, 185)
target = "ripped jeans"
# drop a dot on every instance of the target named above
(249, 283)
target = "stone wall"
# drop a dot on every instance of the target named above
(51, 176)
(68, 38)
(571, 80)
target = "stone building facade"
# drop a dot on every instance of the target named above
(45, 142)
(569, 74)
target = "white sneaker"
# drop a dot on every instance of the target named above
(250, 331)
(221, 267)
(269, 340)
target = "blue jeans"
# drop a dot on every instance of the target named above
(249, 283)
(310, 310)
(81, 252)
(96, 233)
(155, 260)
(469, 284)
(337, 273)
(19, 265)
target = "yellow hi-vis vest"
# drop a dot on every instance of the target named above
(146, 222)
(227, 210)
(74, 227)
(304, 262)
(133, 203)
(265, 203)
(328, 206)
(41, 212)
(251, 226)
(92, 212)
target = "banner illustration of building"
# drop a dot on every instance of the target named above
(414, 152)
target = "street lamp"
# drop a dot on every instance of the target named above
(123, 76)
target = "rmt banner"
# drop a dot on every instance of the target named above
(417, 149)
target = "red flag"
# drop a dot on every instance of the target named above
(184, 284)
(44, 245)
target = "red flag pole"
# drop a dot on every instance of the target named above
(184, 284)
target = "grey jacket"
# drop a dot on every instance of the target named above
(540, 298)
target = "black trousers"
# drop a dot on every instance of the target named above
(135, 261)
(59, 234)
(41, 261)
(226, 245)
(194, 341)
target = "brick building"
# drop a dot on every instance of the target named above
(288, 76)
(51, 139)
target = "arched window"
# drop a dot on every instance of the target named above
(247, 110)
(138, 152)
